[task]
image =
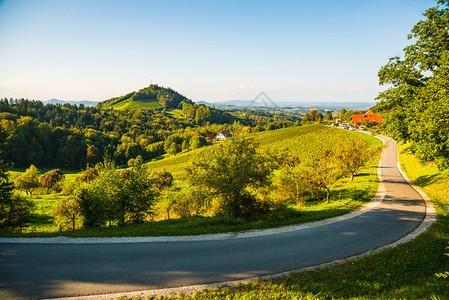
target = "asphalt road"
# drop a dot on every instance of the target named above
(61, 270)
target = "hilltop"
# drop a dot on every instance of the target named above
(151, 97)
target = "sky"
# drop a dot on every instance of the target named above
(297, 51)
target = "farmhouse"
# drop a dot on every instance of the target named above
(223, 135)
(369, 116)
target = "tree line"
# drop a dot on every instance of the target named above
(73, 137)
(70, 136)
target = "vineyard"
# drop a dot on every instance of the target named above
(300, 141)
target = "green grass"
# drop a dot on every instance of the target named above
(405, 272)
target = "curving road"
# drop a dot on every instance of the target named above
(48, 270)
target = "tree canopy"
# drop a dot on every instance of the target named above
(228, 170)
(417, 100)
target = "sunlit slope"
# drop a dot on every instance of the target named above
(302, 140)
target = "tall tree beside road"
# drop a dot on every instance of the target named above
(418, 99)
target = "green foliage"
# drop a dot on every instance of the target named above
(161, 180)
(322, 170)
(67, 213)
(312, 116)
(77, 137)
(15, 212)
(6, 186)
(228, 170)
(418, 99)
(122, 197)
(28, 181)
(353, 155)
(173, 144)
(14, 209)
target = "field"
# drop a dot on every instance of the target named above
(141, 104)
(346, 196)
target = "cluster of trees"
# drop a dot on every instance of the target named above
(346, 115)
(117, 197)
(312, 116)
(203, 114)
(69, 136)
(237, 174)
(417, 100)
(30, 180)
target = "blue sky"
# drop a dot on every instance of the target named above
(207, 50)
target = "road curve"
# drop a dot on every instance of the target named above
(49, 270)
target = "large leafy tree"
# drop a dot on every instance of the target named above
(28, 181)
(228, 170)
(418, 97)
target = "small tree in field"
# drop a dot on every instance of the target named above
(353, 155)
(67, 212)
(322, 170)
(228, 170)
(28, 181)
(51, 178)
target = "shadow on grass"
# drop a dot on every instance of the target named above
(426, 180)
(41, 219)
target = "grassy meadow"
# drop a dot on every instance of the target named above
(345, 197)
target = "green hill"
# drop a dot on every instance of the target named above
(151, 97)
(298, 140)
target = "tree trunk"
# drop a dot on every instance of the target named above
(168, 215)
(328, 195)
(352, 176)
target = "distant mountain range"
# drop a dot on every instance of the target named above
(286, 104)
(58, 101)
